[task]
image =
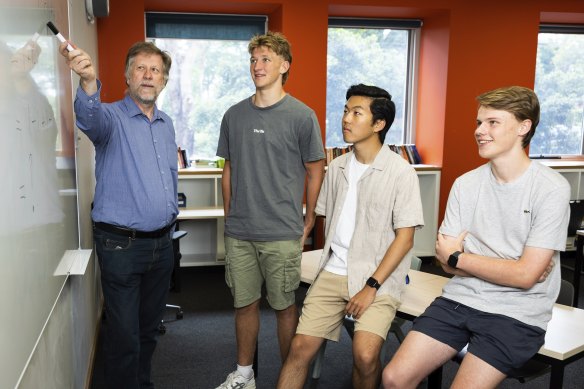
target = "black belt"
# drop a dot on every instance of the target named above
(130, 233)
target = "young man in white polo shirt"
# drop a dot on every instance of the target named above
(503, 231)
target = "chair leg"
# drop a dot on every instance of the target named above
(349, 324)
(397, 330)
(316, 365)
(179, 311)
(179, 316)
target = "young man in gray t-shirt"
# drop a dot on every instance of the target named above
(271, 142)
(504, 227)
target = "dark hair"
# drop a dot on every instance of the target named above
(381, 105)
(148, 48)
(276, 42)
(520, 101)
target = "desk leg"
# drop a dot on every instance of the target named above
(557, 376)
(435, 379)
(578, 267)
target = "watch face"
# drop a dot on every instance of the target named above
(372, 282)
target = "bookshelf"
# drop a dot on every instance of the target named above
(203, 217)
(572, 171)
(409, 152)
(425, 238)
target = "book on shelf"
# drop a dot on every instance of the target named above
(183, 158)
(208, 162)
(333, 152)
(409, 152)
(417, 156)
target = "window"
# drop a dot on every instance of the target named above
(209, 73)
(559, 84)
(378, 52)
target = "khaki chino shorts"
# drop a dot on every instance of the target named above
(248, 264)
(324, 310)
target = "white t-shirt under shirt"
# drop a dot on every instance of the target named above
(337, 263)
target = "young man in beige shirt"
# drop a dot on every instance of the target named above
(371, 200)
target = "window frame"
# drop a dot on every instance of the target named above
(213, 29)
(554, 28)
(193, 25)
(413, 26)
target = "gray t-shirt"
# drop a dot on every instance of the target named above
(267, 148)
(501, 219)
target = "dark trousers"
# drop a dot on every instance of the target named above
(135, 278)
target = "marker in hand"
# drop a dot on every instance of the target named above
(60, 37)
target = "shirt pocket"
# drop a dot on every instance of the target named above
(378, 216)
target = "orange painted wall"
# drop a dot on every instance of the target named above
(466, 48)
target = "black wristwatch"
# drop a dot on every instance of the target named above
(372, 282)
(453, 259)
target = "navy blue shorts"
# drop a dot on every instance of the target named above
(501, 341)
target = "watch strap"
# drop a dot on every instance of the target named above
(453, 259)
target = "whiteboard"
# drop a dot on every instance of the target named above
(38, 195)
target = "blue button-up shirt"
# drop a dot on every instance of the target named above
(135, 163)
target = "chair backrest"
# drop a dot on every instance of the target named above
(576, 221)
(566, 296)
(416, 263)
(178, 234)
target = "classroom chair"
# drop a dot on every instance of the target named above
(349, 324)
(175, 278)
(533, 368)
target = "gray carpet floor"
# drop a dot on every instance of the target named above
(198, 351)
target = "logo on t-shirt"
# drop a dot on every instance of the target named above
(256, 131)
(526, 211)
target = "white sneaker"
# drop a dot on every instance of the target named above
(236, 381)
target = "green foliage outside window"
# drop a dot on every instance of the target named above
(559, 84)
(371, 56)
(207, 77)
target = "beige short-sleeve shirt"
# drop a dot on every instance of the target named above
(388, 198)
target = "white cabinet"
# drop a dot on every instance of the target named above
(203, 217)
(425, 238)
(573, 171)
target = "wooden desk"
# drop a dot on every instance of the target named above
(564, 340)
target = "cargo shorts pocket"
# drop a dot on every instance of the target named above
(228, 279)
(292, 272)
(229, 243)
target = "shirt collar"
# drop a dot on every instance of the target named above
(380, 162)
(134, 110)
